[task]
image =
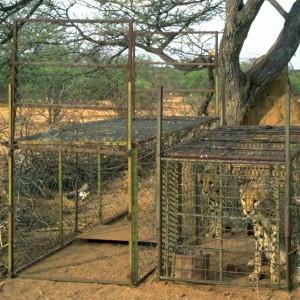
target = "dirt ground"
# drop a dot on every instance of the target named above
(18, 289)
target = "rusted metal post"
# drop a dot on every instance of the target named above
(223, 108)
(134, 215)
(11, 142)
(100, 213)
(10, 186)
(217, 74)
(159, 177)
(287, 191)
(60, 196)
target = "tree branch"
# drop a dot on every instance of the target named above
(280, 54)
(279, 8)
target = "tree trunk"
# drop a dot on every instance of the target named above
(241, 88)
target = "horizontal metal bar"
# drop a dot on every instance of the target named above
(76, 150)
(70, 106)
(74, 279)
(174, 32)
(92, 21)
(205, 157)
(228, 283)
(69, 64)
(174, 63)
(176, 90)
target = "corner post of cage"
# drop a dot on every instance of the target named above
(287, 191)
(159, 177)
(216, 61)
(60, 193)
(130, 158)
(11, 109)
(133, 70)
(10, 262)
(134, 214)
(131, 64)
(223, 108)
(100, 211)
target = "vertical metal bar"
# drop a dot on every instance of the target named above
(159, 178)
(100, 212)
(131, 64)
(130, 158)
(222, 179)
(217, 74)
(287, 191)
(197, 203)
(60, 194)
(10, 262)
(134, 213)
(180, 204)
(133, 72)
(167, 230)
(12, 113)
(223, 107)
(76, 195)
(278, 216)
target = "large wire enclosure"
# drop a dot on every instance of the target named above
(82, 154)
(73, 162)
(229, 210)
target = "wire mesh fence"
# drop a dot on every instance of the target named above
(226, 216)
(71, 140)
(82, 144)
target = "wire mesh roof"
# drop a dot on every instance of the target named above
(115, 130)
(250, 143)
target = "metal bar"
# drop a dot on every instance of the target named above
(76, 195)
(175, 63)
(287, 191)
(180, 203)
(74, 279)
(134, 218)
(10, 263)
(223, 106)
(63, 21)
(216, 65)
(70, 106)
(175, 32)
(199, 156)
(197, 203)
(278, 209)
(206, 90)
(69, 64)
(227, 283)
(130, 172)
(61, 199)
(68, 144)
(131, 66)
(222, 197)
(78, 150)
(100, 213)
(11, 109)
(159, 178)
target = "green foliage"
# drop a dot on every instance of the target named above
(294, 76)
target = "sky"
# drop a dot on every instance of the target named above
(263, 33)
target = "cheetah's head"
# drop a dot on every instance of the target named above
(250, 201)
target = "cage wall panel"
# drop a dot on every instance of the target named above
(231, 221)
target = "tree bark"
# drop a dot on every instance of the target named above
(241, 88)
